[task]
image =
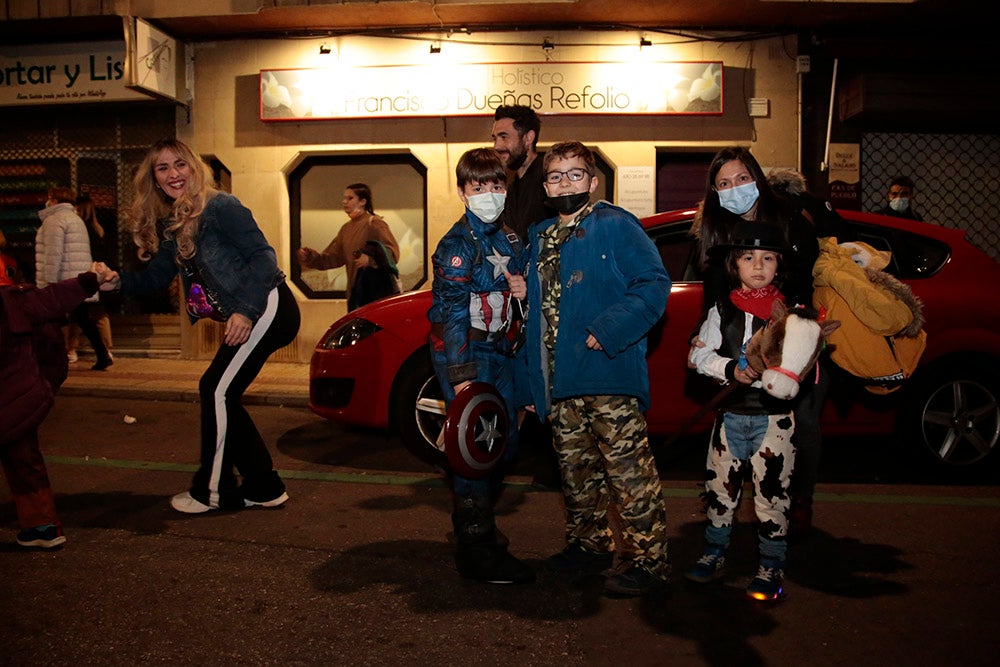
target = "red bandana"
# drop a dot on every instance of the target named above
(757, 302)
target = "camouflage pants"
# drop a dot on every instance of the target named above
(604, 458)
(761, 446)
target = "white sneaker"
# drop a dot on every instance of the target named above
(72, 356)
(185, 502)
(276, 502)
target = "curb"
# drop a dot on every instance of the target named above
(267, 397)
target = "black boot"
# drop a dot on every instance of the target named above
(479, 554)
(800, 515)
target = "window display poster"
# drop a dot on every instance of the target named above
(637, 190)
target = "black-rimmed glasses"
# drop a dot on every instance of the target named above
(574, 175)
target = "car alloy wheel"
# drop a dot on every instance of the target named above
(960, 421)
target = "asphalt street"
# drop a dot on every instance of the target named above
(356, 568)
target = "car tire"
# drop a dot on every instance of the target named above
(951, 412)
(417, 408)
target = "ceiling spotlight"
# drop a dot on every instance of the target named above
(324, 49)
(644, 42)
(435, 47)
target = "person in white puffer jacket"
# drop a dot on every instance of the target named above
(62, 251)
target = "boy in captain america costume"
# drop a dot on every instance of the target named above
(478, 267)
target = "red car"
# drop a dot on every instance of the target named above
(372, 367)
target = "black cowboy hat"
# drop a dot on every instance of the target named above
(754, 235)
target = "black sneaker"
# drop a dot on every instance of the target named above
(635, 580)
(49, 536)
(102, 364)
(711, 565)
(579, 561)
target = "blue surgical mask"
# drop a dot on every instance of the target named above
(899, 204)
(486, 206)
(740, 199)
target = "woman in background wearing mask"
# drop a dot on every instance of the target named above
(478, 266)
(738, 190)
(347, 249)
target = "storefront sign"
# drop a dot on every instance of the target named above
(845, 176)
(64, 73)
(153, 60)
(692, 88)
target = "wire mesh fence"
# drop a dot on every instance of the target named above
(956, 179)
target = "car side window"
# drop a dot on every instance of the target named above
(913, 256)
(677, 250)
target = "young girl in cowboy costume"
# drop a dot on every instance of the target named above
(753, 431)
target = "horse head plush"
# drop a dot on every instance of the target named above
(787, 348)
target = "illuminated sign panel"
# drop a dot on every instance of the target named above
(64, 73)
(690, 88)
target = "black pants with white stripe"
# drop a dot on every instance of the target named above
(230, 441)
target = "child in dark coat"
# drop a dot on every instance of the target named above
(33, 365)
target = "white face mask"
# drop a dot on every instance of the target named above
(486, 206)
(899, 204)
(740, 199)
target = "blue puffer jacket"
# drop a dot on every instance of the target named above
(234, 259)
(470, 291)
(614, 286)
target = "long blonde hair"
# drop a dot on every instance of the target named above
(151, 204)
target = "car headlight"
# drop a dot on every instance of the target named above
(348, 334)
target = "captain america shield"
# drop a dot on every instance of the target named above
(475, 430)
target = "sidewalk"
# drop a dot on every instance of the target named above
(174, 379)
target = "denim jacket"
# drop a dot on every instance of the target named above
(237, 264)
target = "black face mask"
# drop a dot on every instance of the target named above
(567, 204)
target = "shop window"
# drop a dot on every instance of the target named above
(316, 185)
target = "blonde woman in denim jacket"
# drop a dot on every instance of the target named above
(229, 272)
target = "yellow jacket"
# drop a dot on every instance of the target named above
(881, 337)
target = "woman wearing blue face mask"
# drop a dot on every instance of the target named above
(738, 190)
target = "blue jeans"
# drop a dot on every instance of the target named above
(496, 369)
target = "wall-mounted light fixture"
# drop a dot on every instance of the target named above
(435, 47)
(644, 42)
(547, 46)
(324, 49)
